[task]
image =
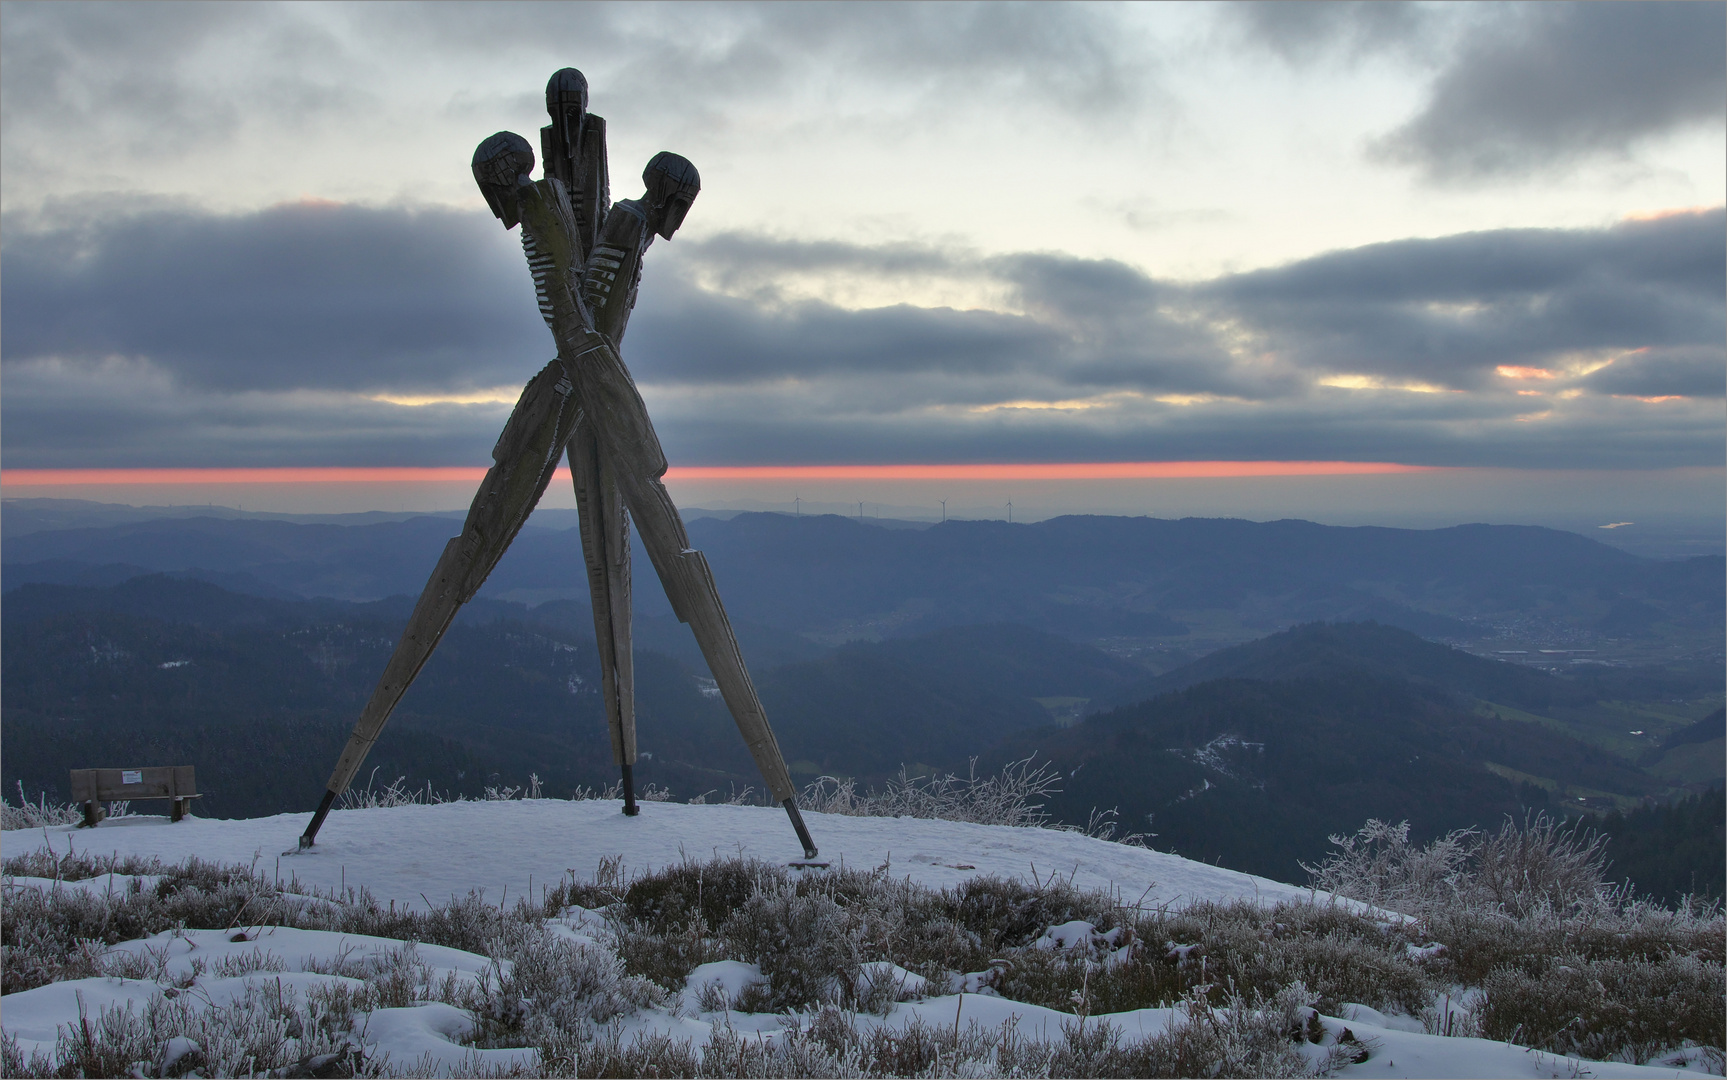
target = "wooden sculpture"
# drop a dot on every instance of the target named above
(586, 260)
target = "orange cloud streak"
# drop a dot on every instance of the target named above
(1512, 371)
(1102, 470)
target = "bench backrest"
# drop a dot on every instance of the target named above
(162, 782)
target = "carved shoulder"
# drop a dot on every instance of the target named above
(614, 267)
(549, 242)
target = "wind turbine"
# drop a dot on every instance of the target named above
(943, 510)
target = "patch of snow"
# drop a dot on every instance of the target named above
(581, 926)
(1183, 955)
(299, 951)
(173, 1050)
(425, 1040)
(902, 985)
(1211, 755)
(1399, 1053)
(104, 886)
(34, 1017)
(1356, 1013)
(731, 976)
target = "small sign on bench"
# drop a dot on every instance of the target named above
(93, 787)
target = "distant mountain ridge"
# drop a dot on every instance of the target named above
(1249, 756)
(833, 579)
(1256, 753)
(1333, 650)
(155, 659)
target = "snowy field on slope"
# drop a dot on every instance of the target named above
(415, 854)
(412, 854)
(426, 1039)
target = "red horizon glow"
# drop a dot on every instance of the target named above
(1096, 470)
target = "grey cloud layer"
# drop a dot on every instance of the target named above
(153, 81)
(1451, 310)
(167, 337)
(1321, 30)
(293, 297)
(1541, 86)
(1517, 88)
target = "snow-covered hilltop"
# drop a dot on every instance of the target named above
(409, 854)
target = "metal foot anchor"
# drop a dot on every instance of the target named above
(630, 807)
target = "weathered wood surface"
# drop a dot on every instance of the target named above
(605, 527)
(525, 458)
(626, 437)
(623, 461)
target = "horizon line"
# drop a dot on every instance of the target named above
(1092, 470)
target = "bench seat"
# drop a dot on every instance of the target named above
(92, 787)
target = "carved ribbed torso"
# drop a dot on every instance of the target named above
(614, 269)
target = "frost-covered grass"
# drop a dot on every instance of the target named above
(1011, 798)
(829, 973)
(395, 793)
(34, 815)
(1538, 947)
(559, 997)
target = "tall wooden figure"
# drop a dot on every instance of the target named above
(573, 151)
(586, 262)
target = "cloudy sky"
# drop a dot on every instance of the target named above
(1482, 237)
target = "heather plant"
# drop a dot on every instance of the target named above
(1633, 1010)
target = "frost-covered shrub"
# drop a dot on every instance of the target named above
(808, 946)
(1012, 797)
(667, 922)
(705, 893)
(1635, 979)
(1006, 913)
(1540, 864)
(1340, 955)
(1380, 866)
(551, 989)
(1543, 864)
(1248, 1037)
(372, 797)
(1655, 974)
(49, 935)
(35, 815)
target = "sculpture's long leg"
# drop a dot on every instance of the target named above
(690, 587)
(627, 440)
(526, 455)
(605, 527)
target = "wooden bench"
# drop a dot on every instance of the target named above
(92, 787)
